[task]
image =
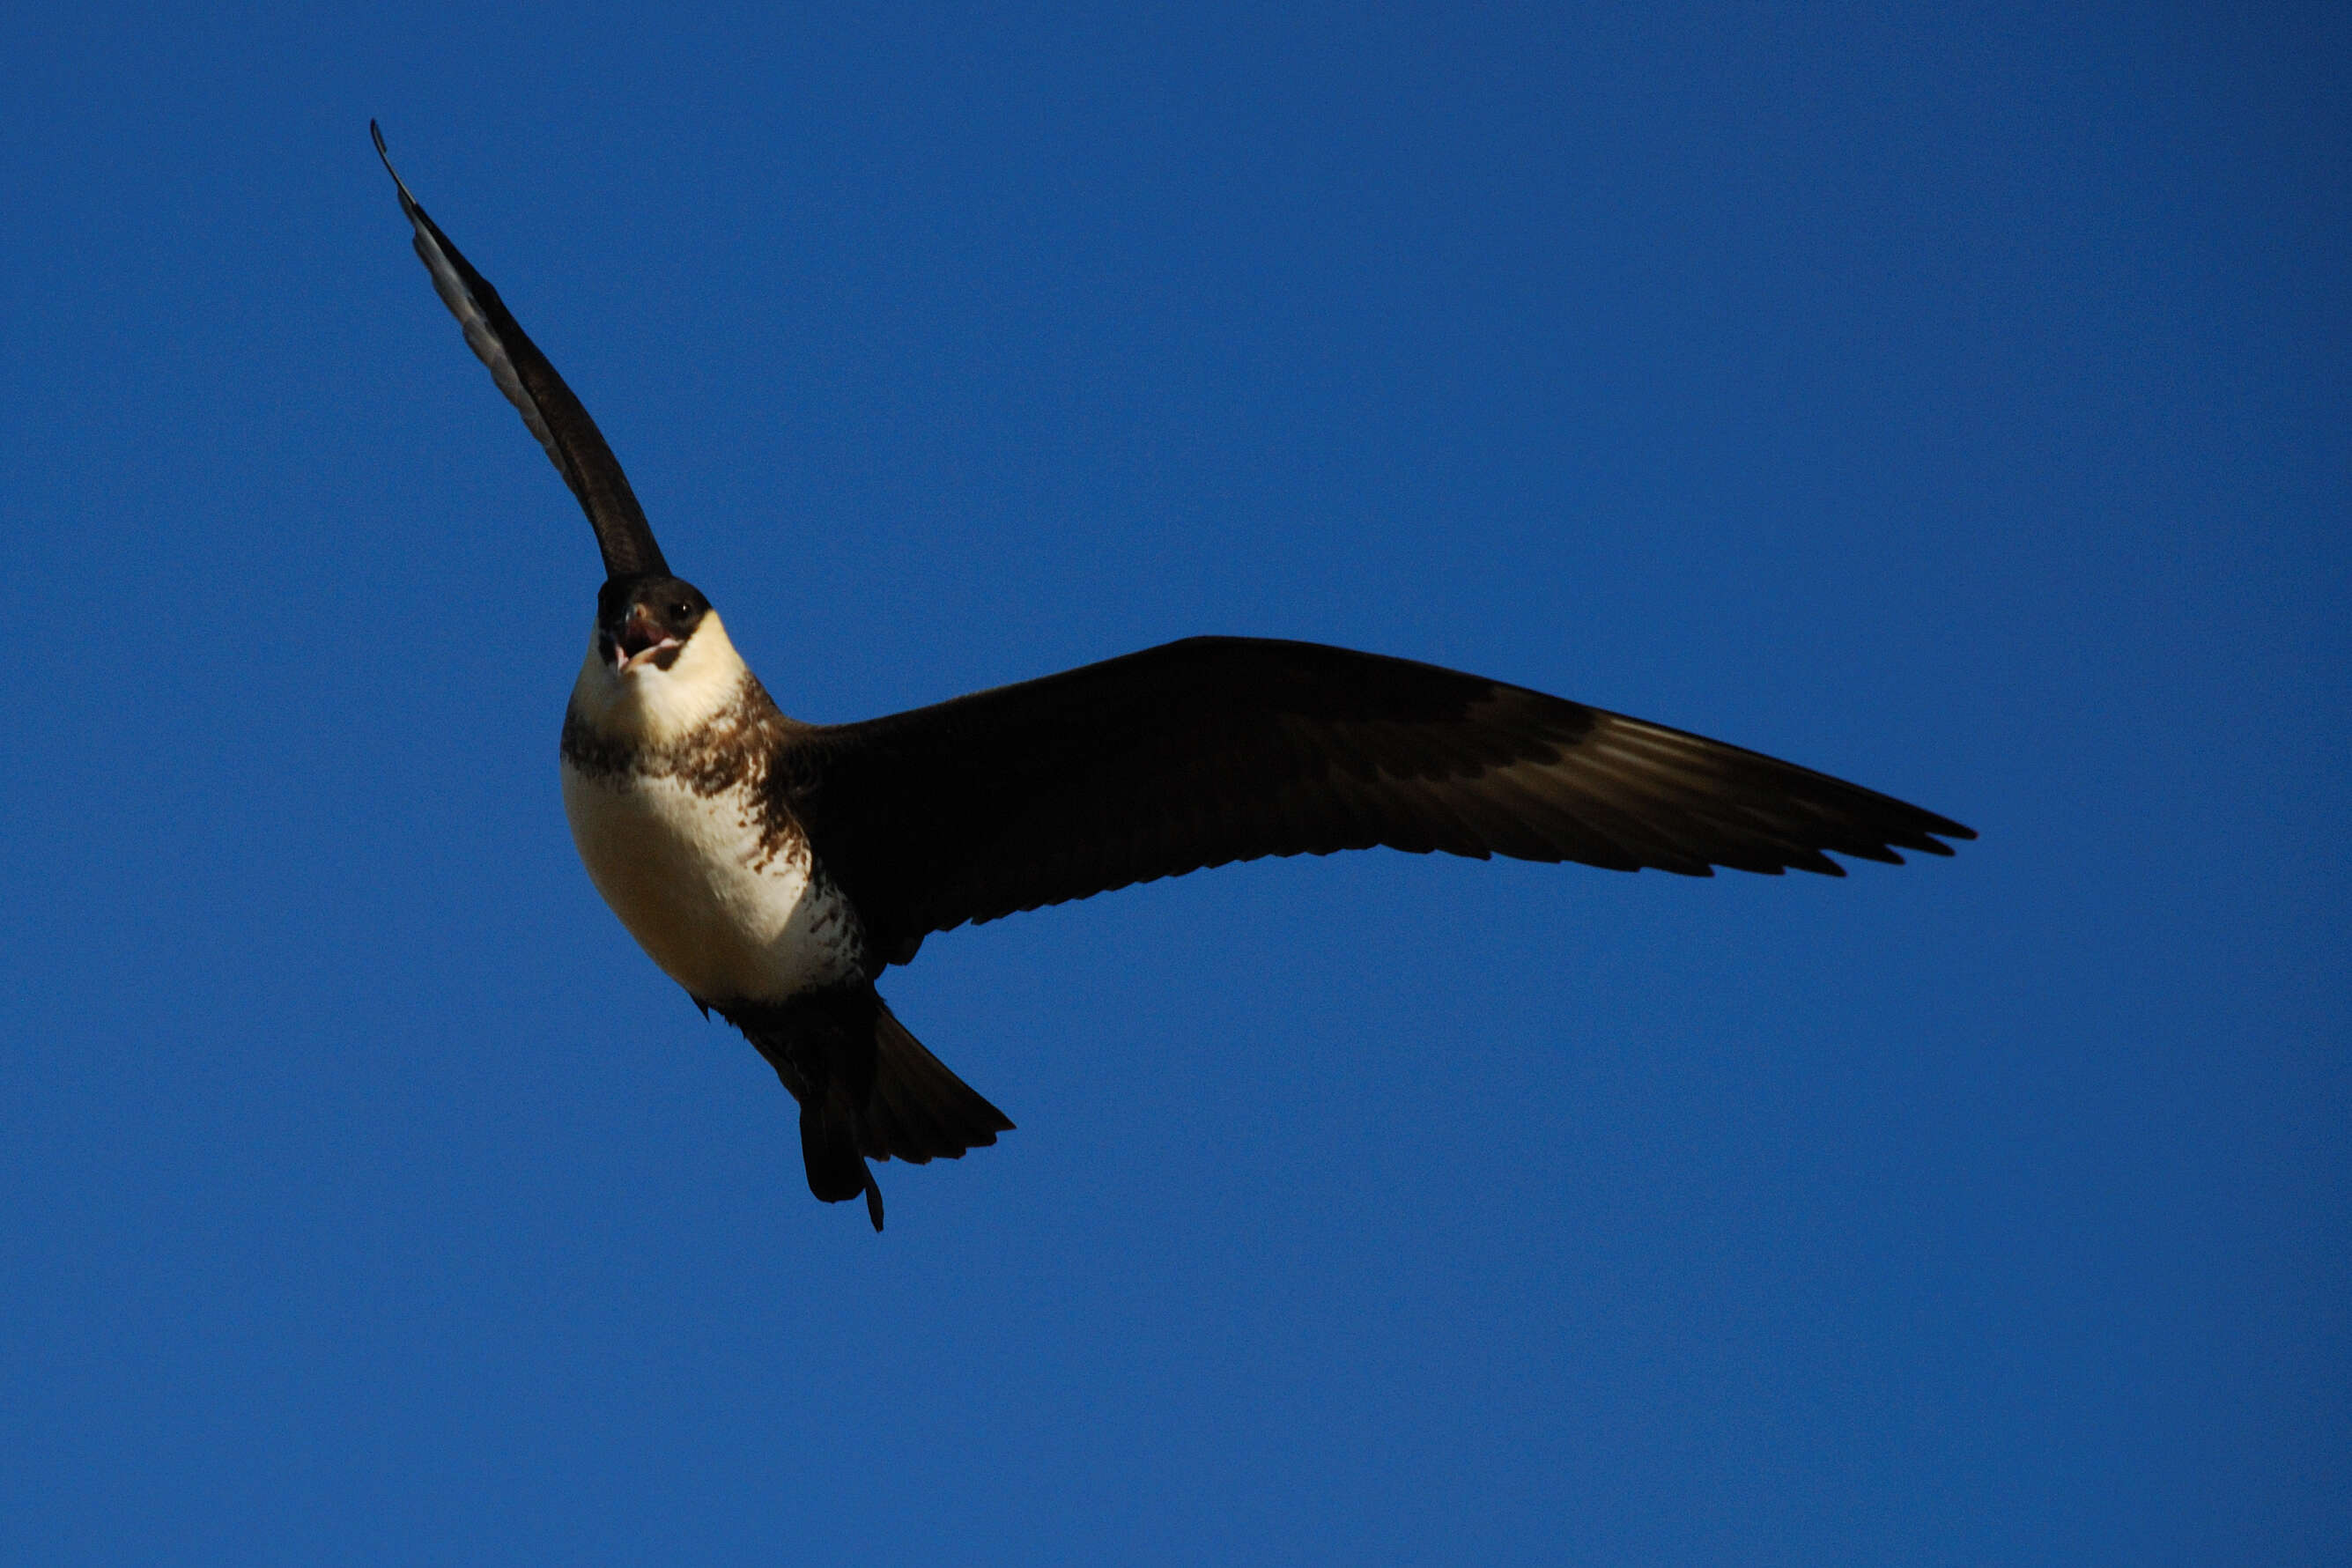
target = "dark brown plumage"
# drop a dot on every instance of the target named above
(867, 1089)
(573, 443)
(1220, 749)
(776, 867)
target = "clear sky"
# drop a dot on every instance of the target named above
(1953, 398)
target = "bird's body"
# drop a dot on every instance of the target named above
(774, 869)
(665, 776)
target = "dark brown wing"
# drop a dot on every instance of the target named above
(1222, 749)
(573, 441)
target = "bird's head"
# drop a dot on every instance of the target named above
(643, 621)
(659, 662)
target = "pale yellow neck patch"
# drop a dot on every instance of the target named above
(648, 706)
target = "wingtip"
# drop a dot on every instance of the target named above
(1932, 835)
(384, 154)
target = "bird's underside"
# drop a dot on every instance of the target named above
(776, 868)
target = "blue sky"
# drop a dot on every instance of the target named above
(1951, 398)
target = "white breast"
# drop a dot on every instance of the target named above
(690, 877)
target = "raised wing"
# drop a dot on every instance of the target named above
(573, 441)
(1221, 748)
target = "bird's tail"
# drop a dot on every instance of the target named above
(869, 1090)
(918, 1110)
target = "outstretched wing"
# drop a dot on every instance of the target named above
(1220, 749)
(573, 441)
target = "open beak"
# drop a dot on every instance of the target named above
(640, 640)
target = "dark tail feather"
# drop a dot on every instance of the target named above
(918, 1110)
(868, 1091)
(836, 1172)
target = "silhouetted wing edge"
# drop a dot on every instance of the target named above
(547, 406)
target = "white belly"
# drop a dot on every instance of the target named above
(690, 877)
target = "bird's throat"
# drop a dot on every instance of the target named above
(663, 696)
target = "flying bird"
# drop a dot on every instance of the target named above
(775, 869)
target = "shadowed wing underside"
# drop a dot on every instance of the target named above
(573, 441)
(1220, 749)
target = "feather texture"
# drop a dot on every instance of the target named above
(547, 406)
(1213, 750)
